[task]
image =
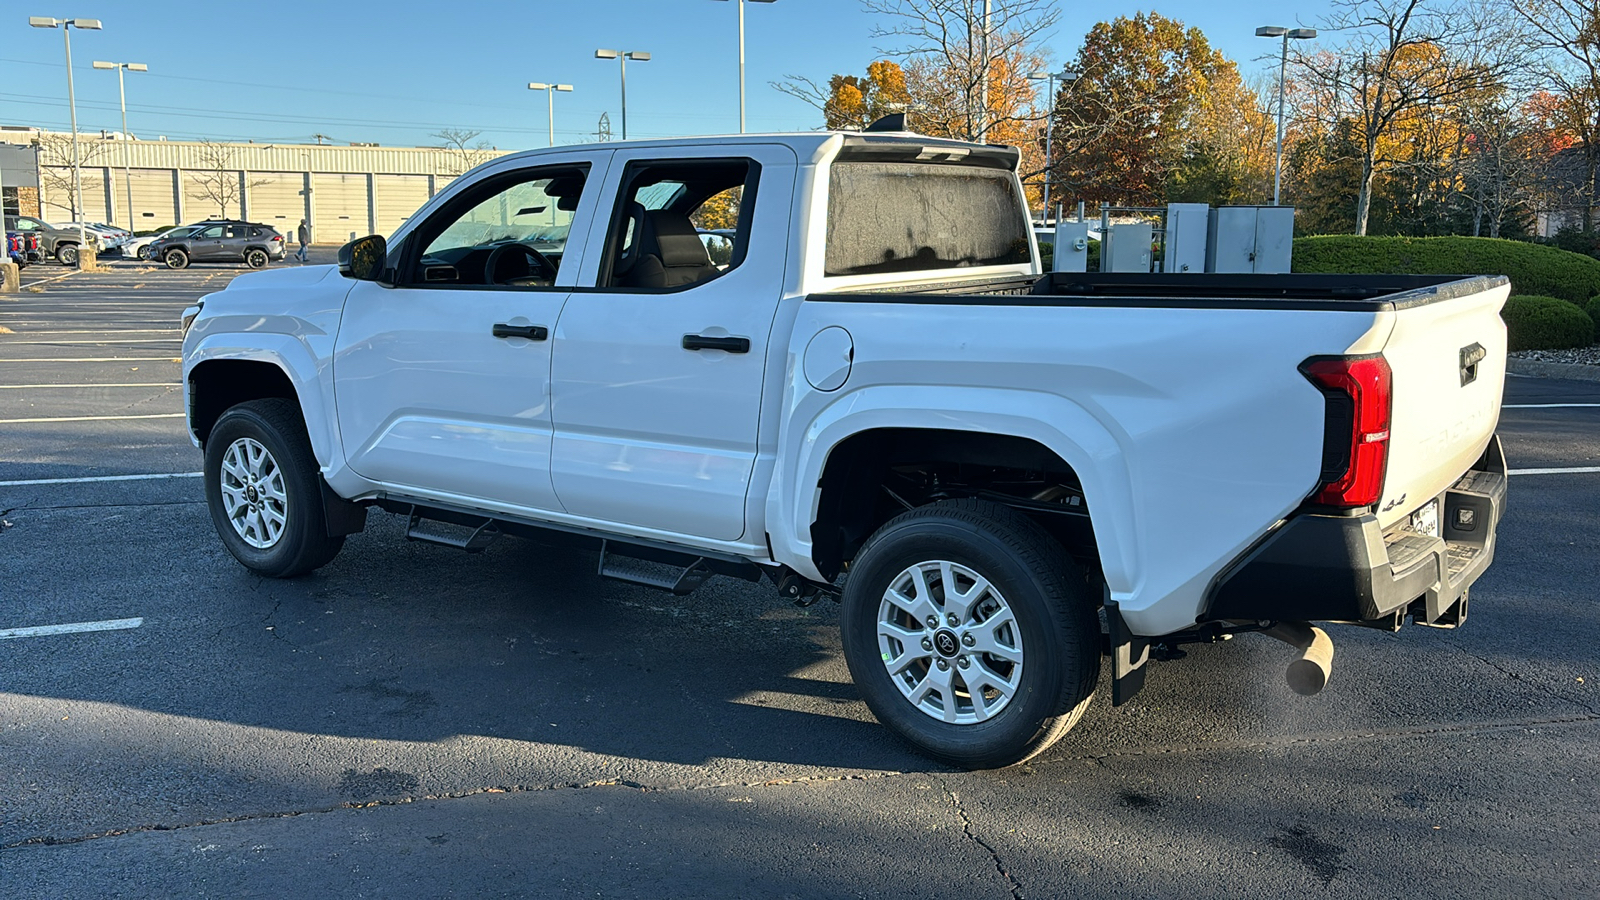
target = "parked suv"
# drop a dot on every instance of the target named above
(221, 241)
(57, 243)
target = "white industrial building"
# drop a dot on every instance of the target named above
(341, 190)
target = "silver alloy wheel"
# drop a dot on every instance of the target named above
(253, 494)
(950, 642)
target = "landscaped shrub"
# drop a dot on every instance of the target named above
(1532, 268)
(1545, 323)
(1593, 309)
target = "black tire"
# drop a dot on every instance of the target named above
(304, 544)
(67, 254)
(1054, 611)
(176, 259)
(256, 258)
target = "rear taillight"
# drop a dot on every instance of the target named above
(277, 238)
(1355, 451)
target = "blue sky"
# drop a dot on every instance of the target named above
(394, 72)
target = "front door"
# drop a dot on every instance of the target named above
(659, 360)
(206, 244)
(442, 382)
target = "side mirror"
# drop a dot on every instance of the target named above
(364, 258)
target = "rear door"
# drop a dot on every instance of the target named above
(1448, 364)
(659, 357)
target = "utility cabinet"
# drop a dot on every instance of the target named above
(1250, 239)
(1126, 248)
(1071, 247)
(1187, 227)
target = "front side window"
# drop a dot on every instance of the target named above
(213, 232)
(509, 232)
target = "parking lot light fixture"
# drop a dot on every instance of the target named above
(1288, 34)
(623, 57)
(550, 90)
(1066, 77)
(741, 57)
(66, 26)
(122, 93)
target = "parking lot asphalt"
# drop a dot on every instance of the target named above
(413, 721)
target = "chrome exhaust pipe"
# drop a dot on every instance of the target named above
(1308, 673)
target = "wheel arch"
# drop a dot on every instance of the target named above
(217, 377)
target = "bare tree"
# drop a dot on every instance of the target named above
(55, 167)
(461, 153)
(1566, 34)
(975, 56)
(218, 180)
(1399, 58)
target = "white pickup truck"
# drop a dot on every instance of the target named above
(826, 359)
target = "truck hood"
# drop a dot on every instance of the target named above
(277, 279)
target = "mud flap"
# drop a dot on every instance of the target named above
(1129, 654)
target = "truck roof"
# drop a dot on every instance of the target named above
(809, 146)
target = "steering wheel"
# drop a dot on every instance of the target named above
(541, 272)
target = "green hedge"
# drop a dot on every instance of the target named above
(1532, 268)
(1593, 309)
(1545, 323)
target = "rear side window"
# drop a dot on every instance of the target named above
(916, 217)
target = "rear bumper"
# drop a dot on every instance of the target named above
(1344, 568)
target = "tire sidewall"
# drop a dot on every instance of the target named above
(891, 552)
(176, 259)
(68, 255)
(256, 259)
(304, 494)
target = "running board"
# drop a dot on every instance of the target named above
(680, 580)
(471, 538)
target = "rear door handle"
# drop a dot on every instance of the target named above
(704, 342)
(531, 332)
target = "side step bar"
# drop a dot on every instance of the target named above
(680, 580)
(473, 539)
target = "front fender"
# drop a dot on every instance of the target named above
(311, 377)
(1085, 443)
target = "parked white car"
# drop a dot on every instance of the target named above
(134, 248)
(878, 385)
(105, 237)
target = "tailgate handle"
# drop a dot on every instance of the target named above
(1471, 355)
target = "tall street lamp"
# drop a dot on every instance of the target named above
(550, 89)
(1067, 77)
(122, 92)
(623, 57)
(72, 105)
(741, 58)
(1299, 34)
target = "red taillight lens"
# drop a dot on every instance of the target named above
(1356, 448)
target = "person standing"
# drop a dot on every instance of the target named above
(304, 234)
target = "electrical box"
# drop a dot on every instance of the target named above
(1251, 240)
(1188, 224)
(1126, 248)
(1072, 247)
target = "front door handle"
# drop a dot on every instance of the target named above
(531, 332)
(704, 342)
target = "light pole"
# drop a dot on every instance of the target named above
(550, 89)
(1299, 34)
(72, 105)
(1067, 77)
(122, 92)
(623, 57)
(741, 58)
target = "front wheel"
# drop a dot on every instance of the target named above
(970, 633)
(263, 492)
(68, 254)
(256, 259)
(177, 259)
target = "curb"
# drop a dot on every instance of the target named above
(1539, 369)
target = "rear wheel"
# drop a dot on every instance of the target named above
(176, 259)
(255, 258)
(263, 490)
(970, 633)
(68, 254)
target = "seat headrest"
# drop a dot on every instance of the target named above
(672, 238)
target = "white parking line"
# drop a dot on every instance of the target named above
(97, 331)
(48, 280)
(98, 478)
(113, 341)
(1550, 406)
(24, 387)
(1574, 470)
(73, 628)
(88, 419)
(49, 359)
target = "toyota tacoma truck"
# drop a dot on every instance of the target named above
(1011, 479)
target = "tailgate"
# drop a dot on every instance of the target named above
(1445, 405)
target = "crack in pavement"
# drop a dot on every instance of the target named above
(994, 856)
(1514, 676)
